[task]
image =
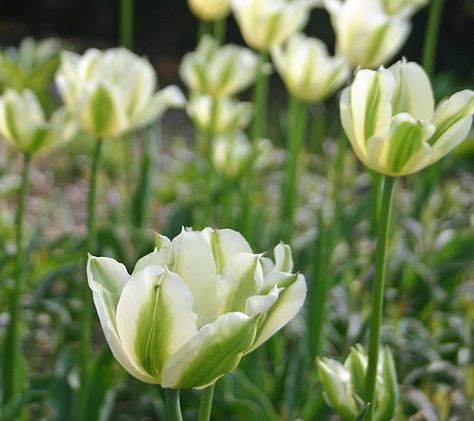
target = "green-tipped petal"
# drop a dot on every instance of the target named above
(388, 399)
(155, 317)
(213, 352)
(283, 258)
(356, 363)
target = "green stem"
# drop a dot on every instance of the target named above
(126, 23)
(12, 352)
(86, 320)
(219, 30)
(205, 404)
(297, 119)
(431, 36)
(378, 291)
(173, 409)
(203, 29)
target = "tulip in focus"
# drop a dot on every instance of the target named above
(112, 92)
(266, 23)
(191, 309)
(209, 10)
(231, 154)
(390, 119)
(343, 385)
(24, 125)
(219, 115)
(218, 71)
(308, 71)
(365, 34)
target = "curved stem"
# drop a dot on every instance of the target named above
(173, 409)
(378, 291)
(126, 23)
(431, 36)
(12, 353)
(205, 404)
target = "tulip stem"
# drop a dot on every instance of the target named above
(219, 30)
(205, 404)
(126, 23)
(12, 353)
(297, 119)
(431, 36)
(203, 29)
(378, 291)
(86, 320)
(173, 409)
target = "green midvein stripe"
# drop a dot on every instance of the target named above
(372, 107)
(403, 143)
(446, 124)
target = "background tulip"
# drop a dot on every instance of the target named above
(365, 34)
(390, 120)
(24, 125)
(403, 7)
(230, 154)
(308, 71)
(218, 71)
(210, 9)
(112, 92)
(193, 307)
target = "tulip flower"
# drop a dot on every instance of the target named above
(266, 23)
(365, 34)
(403, 7)
(390, 119)
(219, 115)
(191, 309)
(343, 385)
(24, 125)
(210, 10)
(308, 71)
(218, 71)
(231, 154)
(112, 92)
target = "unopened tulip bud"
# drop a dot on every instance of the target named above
(307, 69)
(390, 119)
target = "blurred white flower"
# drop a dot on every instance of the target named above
(231, 154)
(210, 9)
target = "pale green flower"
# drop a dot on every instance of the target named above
(112, 92)
(390, 119)
(24, 125)
(266, 23)
(365, 34)
(218, 70)
(230, 154)
(210, 9)
(191, 309)
(219, 115)
(307, 69)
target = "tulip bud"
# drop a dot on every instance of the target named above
(210, 10)
(266, 23)
(192, 308)
(231, 154)
(23, 123)
(219, 115)
(365, 34)
(389, 118)
(308, 71)
(112, 92)
(218, 71)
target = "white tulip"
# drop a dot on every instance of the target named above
(112, 92)
(390, 119)
(307, 69)
(210, 10)
(191, 309)
(365, 34)
(218, 71)
(266, 23)
(231, 154)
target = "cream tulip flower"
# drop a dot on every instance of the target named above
(231, 154)
(404, 8)
(24, 125)
(191, 309)
(218, 71)
(219, 115)
(307, 69)
(112, 92)
(390, 119)
(210, 10)
(266, 23)
(365, 34)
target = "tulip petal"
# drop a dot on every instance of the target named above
(155, 318)
(213, 352)
(155, 258)
(283, 258)
(285, 308)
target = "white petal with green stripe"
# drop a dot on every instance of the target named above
(213, 352)
(155, 317)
